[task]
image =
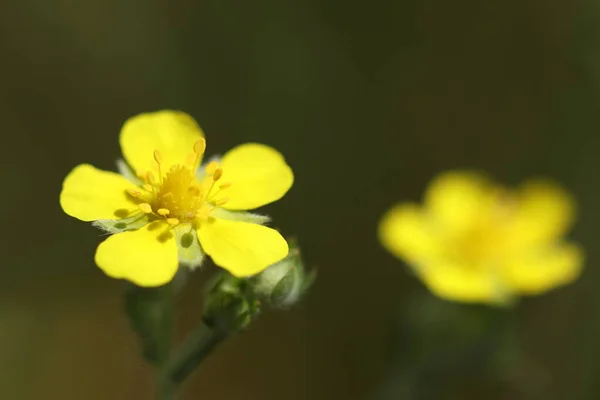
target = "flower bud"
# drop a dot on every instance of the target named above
(284, 283)
(226, 306)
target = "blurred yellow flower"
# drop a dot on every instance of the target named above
(475, 241)
(167, 209)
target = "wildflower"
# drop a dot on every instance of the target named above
(167, 209)
(475, 241)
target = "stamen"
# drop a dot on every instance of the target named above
(200, 146)
(158, 157)
(212, 167)
(194, 159)
(150, 177)
(146, 208)
(203, 213)
(225, 185)
(148, 187)
(134, 193)
(172, 221)
(191, 159)
(163, 211)
(222, 201)
(195, 190)
(217, 174)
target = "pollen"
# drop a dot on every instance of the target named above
(200, 146)
(175, 194)
(146, 208)
(134, 193)
(172, 221)
(179, 193)
(218, 174)
(212, 167)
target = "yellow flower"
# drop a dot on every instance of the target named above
(475, 241)
(172, 210)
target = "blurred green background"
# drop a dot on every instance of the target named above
(367, 101)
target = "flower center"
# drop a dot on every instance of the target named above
(488, 240)
(177, 195)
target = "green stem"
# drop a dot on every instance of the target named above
(165, 390)
(200, 343)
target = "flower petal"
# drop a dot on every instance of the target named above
(458, 200)
(258, 175)
(146, 257)
(241, 248)
(91, 194)
(465, 283)
(542, 270)
(544, 212)
(405, 231)
(172, 133)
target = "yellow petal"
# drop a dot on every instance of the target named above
(241, 248)
(146, 257)
(91, 194)
(406, 233)
(258, 175)
(542, 270)
(172, 133)
(458, 200)
(464, 283)
(544, 212)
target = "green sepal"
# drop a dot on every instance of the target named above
(241, 216)
(122, 225)
(228, 306)
(189, 251)
(284, 283)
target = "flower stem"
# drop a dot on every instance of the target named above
(200, 343)
(165, 390)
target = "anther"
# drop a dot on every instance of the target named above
(148, 187)
(145, 207)
(194, 190)
(134, 193)
(212, 167)
(217, 174)
(150, 176)
(200, 146)
(163, 211)
(158, 157)
(225, 185)
(172, 221)
(222, 201)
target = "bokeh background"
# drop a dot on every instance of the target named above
(367, 101)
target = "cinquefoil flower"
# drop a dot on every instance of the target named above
(475, 241)
(172, 210)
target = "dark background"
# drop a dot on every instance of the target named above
(367, 101)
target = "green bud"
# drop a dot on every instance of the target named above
(226, 306)
(284, 283)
